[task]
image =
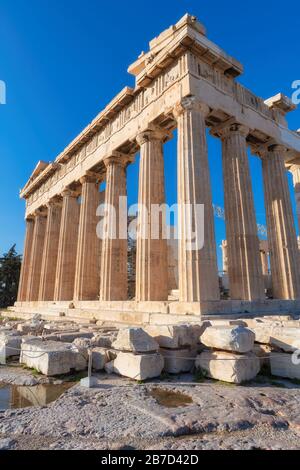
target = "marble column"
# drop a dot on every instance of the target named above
(284, 255)
(224, 249)
(23, 283)
(113, 275)
(87, 266)
(295, 170)
(49, 261)
(198, 272)
(36, 255)
(67, 247)
(244, 264)
(152, 251)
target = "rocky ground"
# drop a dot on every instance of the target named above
(121, 414)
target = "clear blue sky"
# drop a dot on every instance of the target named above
(63, 61)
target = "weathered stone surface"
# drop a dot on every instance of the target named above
(285, 338)
(100, 357)
(178, 360)
(282, 365)
(104, 340)
(262, 351)
(235, 339)
(10, 344)
(175, 336)
(138, 366)
(135, 340)
(52, 357)
(34, 327)
(228, 367)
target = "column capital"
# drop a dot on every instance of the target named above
(118, 158)
(67, 192)
(90, 177)
(153, 133)
(55, 201)
(190, 103)
(40, 212)
(229, 127)
(264, 149)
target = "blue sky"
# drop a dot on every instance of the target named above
(63, 61)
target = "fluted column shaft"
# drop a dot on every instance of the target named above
(295, 170)
(67, 248)
(36, 256)
(87, 265)
(50, 253)
(284, 256)
(113, 276)
(152, 254)
(244, 263)
(198, 274)
(24, 275)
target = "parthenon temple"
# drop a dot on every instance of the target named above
(188, 83)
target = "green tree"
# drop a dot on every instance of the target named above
(10, 266)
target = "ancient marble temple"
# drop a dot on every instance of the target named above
(188, 83)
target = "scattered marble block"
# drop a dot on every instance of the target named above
(177, 360)
(234, 339)
(135, 340)
(104, 340)
(228, 367)
(287, 339)
(284, 365)
(262, 332)
(101, 356)
(52, 357)
(175, 336)
(137, 366)
(10, 344)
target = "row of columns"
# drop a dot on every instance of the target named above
(62, 250)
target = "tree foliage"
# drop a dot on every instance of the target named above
(10, 266)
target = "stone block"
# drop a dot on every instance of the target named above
(100, 357)
(104, 340)
(228, 367)
(175, 336)
(52, 357)
(287, 339)
(234, 339)
(137, 366)
(135, 340)
(283, 365)
(10, 344)
(177, 360)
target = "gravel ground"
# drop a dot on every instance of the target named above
(121, 414)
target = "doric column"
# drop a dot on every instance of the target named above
(23, 284)
(264, 250)
(284, 255)
(198, 273)
(67, 247)
(113, 275)
(152, 254)
(295, 170)
(87, 265)
(49, 262)
(224, 249)
(36, 255)
(244, 264)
